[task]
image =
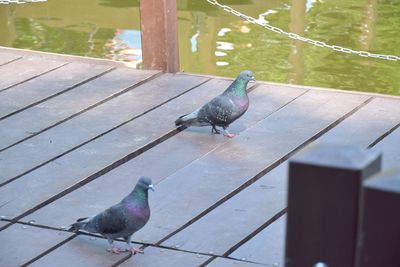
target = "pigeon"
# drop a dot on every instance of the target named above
(223, 109)
(122, 219)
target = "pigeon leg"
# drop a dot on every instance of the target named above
(130, 248)
(215, 130)
(112, 249)
(228, 134)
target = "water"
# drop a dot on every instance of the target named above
(215, 42)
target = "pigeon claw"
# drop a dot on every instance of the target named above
(135, 250)
(115, 250)
(229, 135)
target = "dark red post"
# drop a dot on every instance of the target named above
(323, 204)
(158, 22)
(379, 238)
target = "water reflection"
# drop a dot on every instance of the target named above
(125, 46)
(214, 42)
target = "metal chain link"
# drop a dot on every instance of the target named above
(20, 1)
(295, 36)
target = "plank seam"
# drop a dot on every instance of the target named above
(383, 136)
(77, 114)
(54, 95)
(265, 171)
(12, 60)
(82, 111)
(142, 244)
(49, 250)
(33, 77)
(110, 167)
(255, 232)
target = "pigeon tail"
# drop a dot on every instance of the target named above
(187, 119)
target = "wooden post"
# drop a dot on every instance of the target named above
(158, 22)
(379, 238)
(323, 204)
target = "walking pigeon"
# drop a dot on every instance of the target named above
(223, 109)
(122, 219)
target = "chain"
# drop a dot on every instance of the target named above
(20, 1)
(295, 36)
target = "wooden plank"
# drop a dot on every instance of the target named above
(362, 128)
(21, 243)
(23, 157)
(168, 157)
(235, 219)
(7, 57)
(24, 69)
(226, 220)
(224, 262)
(259, 135)
(266, 247)
(94, 156)
(44, 115)
(390, 150)
(90, 251)
(378, 117)
(158, 23)
(157, 257)
(2, 223)
(44, 87)
(238, 162)
(61, 57)
(82, 251)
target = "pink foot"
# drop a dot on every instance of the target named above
(115, 250)
(135, 250)
(229, 135)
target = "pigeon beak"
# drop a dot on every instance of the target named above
(151, 187)
(253, 79)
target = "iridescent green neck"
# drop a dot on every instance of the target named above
(140, 196)
(238, 87)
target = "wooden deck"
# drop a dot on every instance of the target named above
(76, 133)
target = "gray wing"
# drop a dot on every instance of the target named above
(219, 111)
(110, 221)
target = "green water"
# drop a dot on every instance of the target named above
(214, 42)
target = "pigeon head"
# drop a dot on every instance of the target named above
(145, 183)
(247, 76)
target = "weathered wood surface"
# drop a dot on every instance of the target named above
(22, 243)
(7, 57)
(90, 138)
(24, 69)
(44, 115)
(266, 247)
(225, 262)
(42, 88)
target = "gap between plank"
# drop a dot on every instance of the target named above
(54, 95)
(99, 135)
(383, 136)
(33, 77)
(230, 195)
(110, 167)
(49, 250)
(12, 60)
(84, 110)
(265, 171)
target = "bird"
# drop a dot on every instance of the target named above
(122, 219)
(223, 109)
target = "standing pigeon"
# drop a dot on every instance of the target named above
(223, 109)
(122, 219)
